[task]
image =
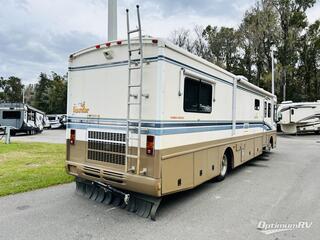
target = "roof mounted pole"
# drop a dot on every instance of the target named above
(112, 20)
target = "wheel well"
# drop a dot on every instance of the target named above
(271, 141)
(229, 153)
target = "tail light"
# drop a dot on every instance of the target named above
(119, 42)
(154, 41)
(108, 44)
(72, 136)
(97, 46)
(150, 145)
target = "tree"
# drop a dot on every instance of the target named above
(222, 45)
(29, 94)
(293, 20)
(57, 95)
(41, 97)
(309, 63)
(246, 50)
(259, 31)
(12, 89)
(182, 38)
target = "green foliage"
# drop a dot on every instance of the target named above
(50, 94)
(223, 45)
(11, 89)
(281, 24)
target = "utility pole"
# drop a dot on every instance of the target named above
(23, 94)
(284, 83)
(272, 67)
(112, 20)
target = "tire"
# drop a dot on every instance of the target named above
(224, 167)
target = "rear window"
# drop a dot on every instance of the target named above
(269, 110)
(11, 115)
(197, 96)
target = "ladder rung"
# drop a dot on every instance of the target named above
(135, 49)
(132, 156)
(135, 85)
(134, 30)
(134, 68)
(133, 103)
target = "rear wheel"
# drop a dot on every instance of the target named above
(223, 168)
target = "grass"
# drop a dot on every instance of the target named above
(29, 166)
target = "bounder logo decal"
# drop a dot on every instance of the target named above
(80, 108)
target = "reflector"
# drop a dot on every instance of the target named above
(72, 136)
(150, 145)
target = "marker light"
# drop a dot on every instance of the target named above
(150, 145)
(72, 136)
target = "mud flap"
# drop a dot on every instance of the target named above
(143, 205)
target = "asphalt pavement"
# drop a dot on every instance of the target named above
(47, 136)
(277, 188)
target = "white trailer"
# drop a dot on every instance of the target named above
(300, 117)
(57, 120)
(21, 117)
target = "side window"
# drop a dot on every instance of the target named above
(265, 109)
(269, 110)
(275, 117)
(292, 111)
(197, 96)
(256, 104)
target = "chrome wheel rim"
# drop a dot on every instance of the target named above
(224, 165)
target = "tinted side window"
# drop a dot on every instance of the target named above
(11, 115)
(256, 104)
(205, 97)
(269, 110)
(197, 96)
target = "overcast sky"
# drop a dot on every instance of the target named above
(38, 35)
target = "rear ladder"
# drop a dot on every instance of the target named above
(134, 125)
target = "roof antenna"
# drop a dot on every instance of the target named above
(112, 20)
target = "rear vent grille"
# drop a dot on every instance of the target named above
(107, 147)
(111, 136)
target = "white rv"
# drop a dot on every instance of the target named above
(57, 120)
(21, 118)
(299, 117)
(195, 120)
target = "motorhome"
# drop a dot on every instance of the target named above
(147, 119)
(21, 118)
(299, 117)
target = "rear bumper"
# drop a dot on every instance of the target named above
(130, 182)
